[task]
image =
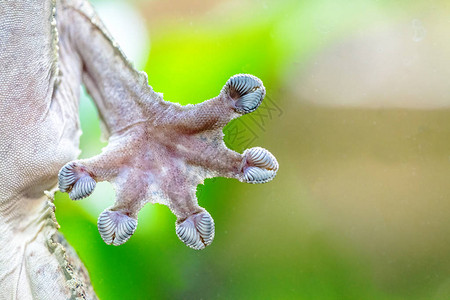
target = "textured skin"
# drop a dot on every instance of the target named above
(39, 132)
(158, 151)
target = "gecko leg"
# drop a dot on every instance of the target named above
(158, 151)
(153, 163)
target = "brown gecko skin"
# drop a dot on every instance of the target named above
(158, 151)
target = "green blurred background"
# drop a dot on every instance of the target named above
(358, 115)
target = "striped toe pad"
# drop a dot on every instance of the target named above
(74, 179)
(115, 227)
(247, 91)
(197, 231)
(260, 165)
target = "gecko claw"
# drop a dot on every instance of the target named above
(115, 227)
(197, 231)
(260, 165)
(76, 180)
(247, 91)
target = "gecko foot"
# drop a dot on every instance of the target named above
(247, 91)
(164, 158)
(197, 231)
(115, 227)
(260, 165)
(76, 180)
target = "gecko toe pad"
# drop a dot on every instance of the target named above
(76, 180)
(247, 91)
(260, 165)
(115, 227)
(197, 231)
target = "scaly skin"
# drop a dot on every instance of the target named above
(39, 133)
(158, 151)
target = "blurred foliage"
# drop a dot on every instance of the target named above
(273, 241)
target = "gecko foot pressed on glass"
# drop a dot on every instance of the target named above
(164, 158)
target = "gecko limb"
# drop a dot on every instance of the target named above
(158, 151)
(158, 164)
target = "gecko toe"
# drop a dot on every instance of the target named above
(76, 180)
(115, 227)
(260, 166)
(197, 231)
(247, 91)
